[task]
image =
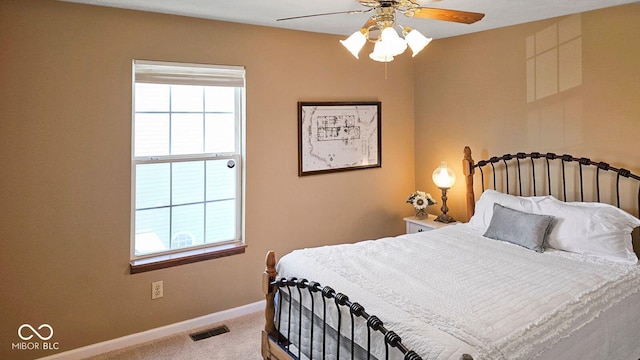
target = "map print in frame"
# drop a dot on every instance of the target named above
(338, 136)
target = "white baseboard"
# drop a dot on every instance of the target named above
(157, 333)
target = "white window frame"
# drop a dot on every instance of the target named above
(157, 72)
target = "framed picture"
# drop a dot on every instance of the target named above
(338, 136)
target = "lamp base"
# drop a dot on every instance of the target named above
(444, 218)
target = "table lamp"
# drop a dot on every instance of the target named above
(444, 178)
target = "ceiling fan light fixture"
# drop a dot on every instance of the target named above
(355, 42)
(379, 27)
(415, 40)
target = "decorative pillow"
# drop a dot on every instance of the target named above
(484, 206)
(593, 229)
(520, 228)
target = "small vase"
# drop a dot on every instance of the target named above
(421, 214)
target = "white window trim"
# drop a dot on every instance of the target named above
(191, 74)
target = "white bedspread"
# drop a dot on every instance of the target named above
(452, 291)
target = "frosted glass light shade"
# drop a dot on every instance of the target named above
(395, 44)
(354, 43)
(416, 41)
(443, 176)
(381, 53)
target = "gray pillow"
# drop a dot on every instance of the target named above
(520, 228)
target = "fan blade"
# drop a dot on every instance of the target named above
(377, 2)
(464, 17)
(323, 14)
(371, 22)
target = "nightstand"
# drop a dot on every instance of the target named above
(415, 225)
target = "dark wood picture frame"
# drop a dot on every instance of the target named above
(339, 136)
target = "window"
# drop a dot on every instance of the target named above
(187, 158)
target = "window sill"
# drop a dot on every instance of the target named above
(185, 257)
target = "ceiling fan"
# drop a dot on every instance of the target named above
(379, 28)
(409, 8)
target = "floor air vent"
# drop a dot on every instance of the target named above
(209, 333)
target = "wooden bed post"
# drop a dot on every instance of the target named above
(467, 169)
(268, 276)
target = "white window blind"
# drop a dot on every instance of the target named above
(156, 72)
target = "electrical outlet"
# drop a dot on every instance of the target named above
(157, 290)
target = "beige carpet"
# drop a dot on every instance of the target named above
(242, 342)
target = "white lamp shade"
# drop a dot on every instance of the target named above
(443, 176)
(416, 41)
(394, 43)
(381, 53)
(354, 43)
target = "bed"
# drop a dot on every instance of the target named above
(544, 269)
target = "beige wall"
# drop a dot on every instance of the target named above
(65, 131)
(475, 90)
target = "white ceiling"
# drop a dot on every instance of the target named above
(499, 13)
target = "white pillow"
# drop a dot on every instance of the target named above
(593, 229)
(484, 206)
